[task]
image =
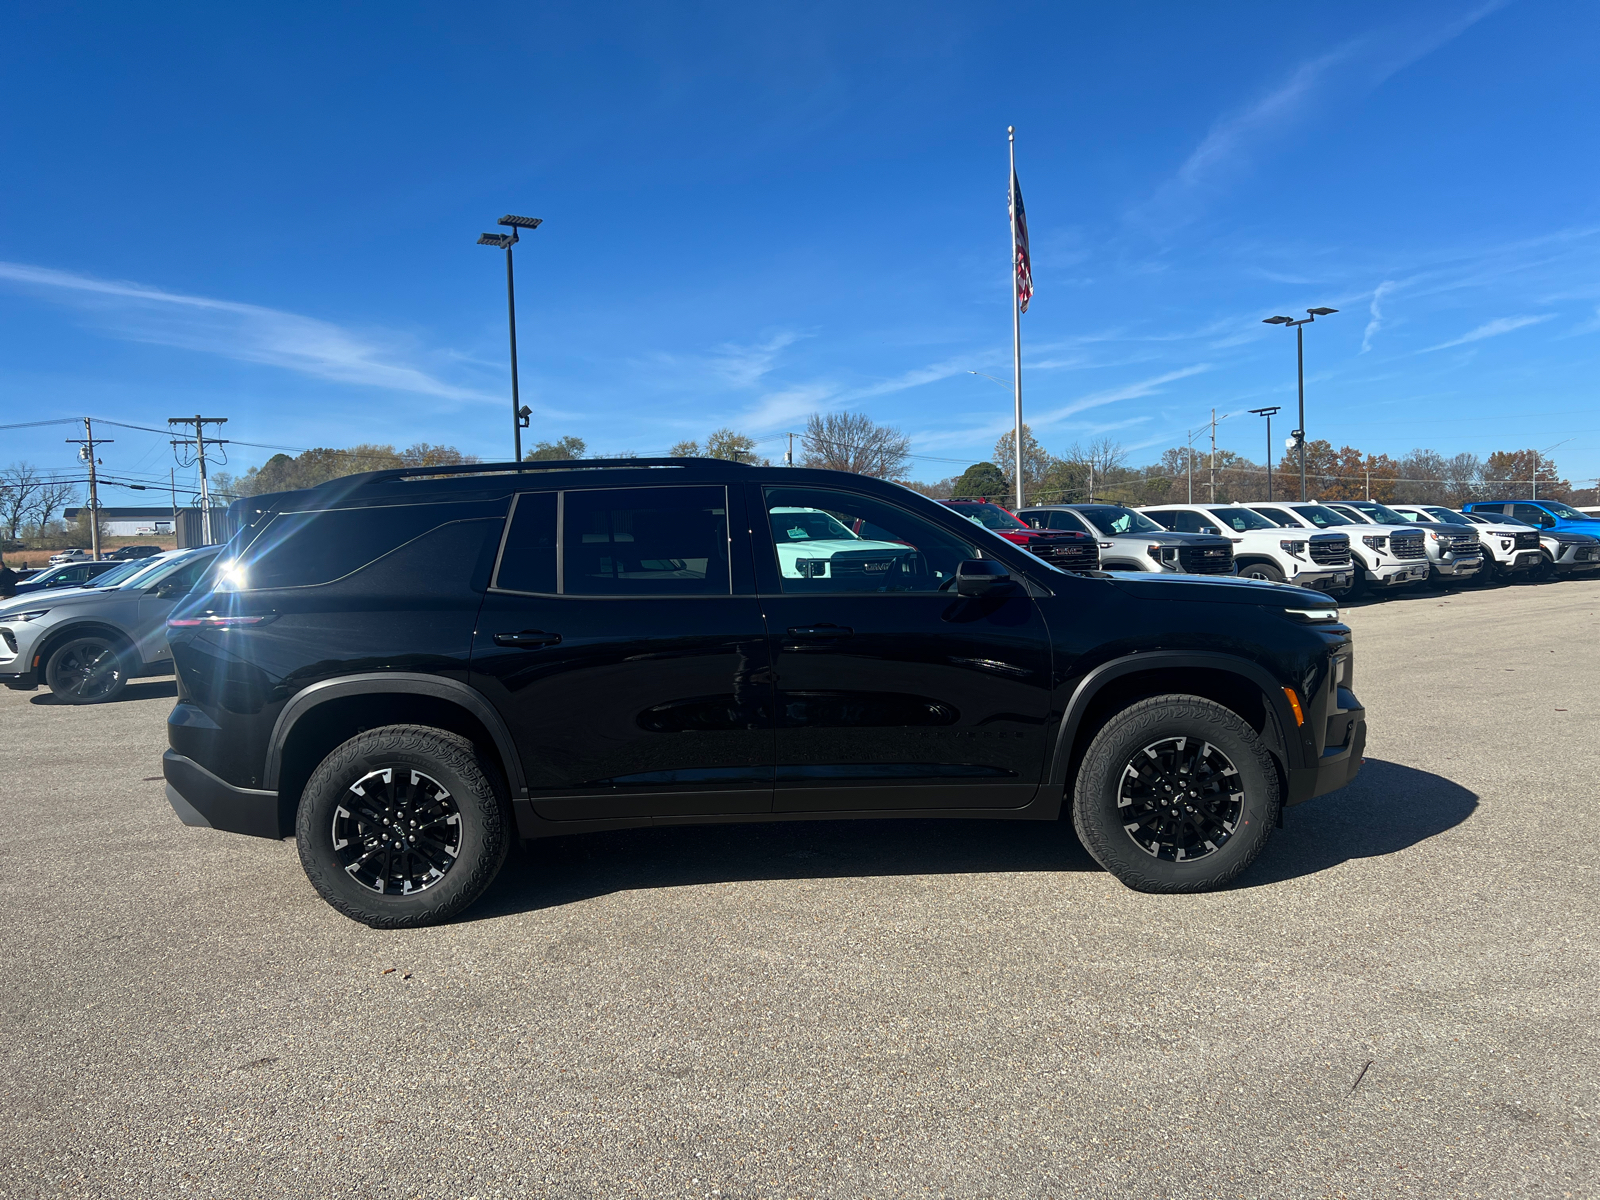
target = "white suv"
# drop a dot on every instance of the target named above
(1508, 550)
(1383, 558)
(1452, 553)
(1260, 549)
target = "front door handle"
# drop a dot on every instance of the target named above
(821, 631)
(527, 639)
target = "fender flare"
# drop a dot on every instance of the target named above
(1154, 660)
(307, 699)
(84, 627)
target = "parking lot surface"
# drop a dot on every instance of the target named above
(1398, 999)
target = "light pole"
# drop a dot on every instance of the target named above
(1300, 354)
(504, 241)
(1268, 413)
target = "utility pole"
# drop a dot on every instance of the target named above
(788, 458)
(86, 445)
(200, 441)
(1213, 484)
(172, 482)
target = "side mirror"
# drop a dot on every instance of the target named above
(980, 576)
(166, 591)
(1210, 529)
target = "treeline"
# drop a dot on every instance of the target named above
(31, 503)
(1101, 471)
(285, 472)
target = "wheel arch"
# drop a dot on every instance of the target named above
(1237, 684)
(347, 706)
(54, 639)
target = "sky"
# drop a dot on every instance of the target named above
(753, 212)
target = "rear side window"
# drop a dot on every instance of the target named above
(1065, 520)
(305, 549)
(670, 541)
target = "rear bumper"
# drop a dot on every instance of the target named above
(200, 798)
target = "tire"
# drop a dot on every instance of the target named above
(1261, 570)
(1159, 735)
(87, 670)
(406, 773)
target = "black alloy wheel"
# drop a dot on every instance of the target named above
(402, 826)
(1181, 799)
(87, 670)
(1176, 794)
(396, 831)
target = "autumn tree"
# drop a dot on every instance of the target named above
(853, 441)
(561, 448)
(1036, 463)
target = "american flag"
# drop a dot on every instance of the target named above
(1019, 241)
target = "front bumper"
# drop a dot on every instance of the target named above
(1340, 761)
(20, 681)
(1325, 579)
(200, 798)
(1397, 574)
(1459, 567)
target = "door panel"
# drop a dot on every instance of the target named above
(893, 693)
(641, 683)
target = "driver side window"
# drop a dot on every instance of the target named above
(833, 541)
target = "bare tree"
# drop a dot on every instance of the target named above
(850, 441)
(51, 497)
(18, 483)
(685, 449)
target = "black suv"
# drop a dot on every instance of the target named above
(409, 668)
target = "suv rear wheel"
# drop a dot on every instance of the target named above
(1176, 794)
(87, 670)
(402, 826)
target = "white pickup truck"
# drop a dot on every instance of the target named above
(1509, 551)
(1453, 553)
(1382, 558)
(1261, 550)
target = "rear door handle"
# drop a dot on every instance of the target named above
(527, 639)
(821, 631)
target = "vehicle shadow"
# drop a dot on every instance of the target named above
(556, 871)
(1388, 808)
(138, 689)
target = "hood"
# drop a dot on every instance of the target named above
(52, 598)
(1211, 589)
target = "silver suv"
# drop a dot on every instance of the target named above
(86, 643)
(1131, 541)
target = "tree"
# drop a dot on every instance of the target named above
(50, 498)
(1509, 474)
(724, 443)
(684, 450)
(980, 481)
(282, 473)
(939, 489)
(18, 483)
(1036, 463)
(567, 447)
(851, 441)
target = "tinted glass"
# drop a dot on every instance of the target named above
(990, 516)
(1322, 516)
(120, 572)
(1112, 519)
(310, 548)
(1183, 521)
(1447, 515)
(905, 554)
(1240, 520)
(1378, 512)
(528, 563)
(1565, 512)
(181, 576)
(1532, 514)
(1066, 520)
(1278, 517)
(646, 542)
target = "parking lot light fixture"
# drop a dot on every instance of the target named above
(1300, 356)
(504, 241)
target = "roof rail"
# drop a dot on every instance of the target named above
(512, 468)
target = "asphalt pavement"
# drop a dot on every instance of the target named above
(1399, 998)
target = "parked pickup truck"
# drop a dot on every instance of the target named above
(1375, 558)
(1261, 550)
(1509, 550)
(1068, 549)
(1131, 541)
(1453, 551)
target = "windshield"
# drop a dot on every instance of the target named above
(1241, 520)
(1322, 516)
(1379, 513)
(1111, 519)
(808, 524)
(140, 575)
(1447, 515)
(1278, 517)
(118, 573)
(990, 516)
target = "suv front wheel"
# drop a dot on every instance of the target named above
(402, 826)
(1176, 794)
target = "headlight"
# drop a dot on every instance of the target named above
(1314, 614)
(1375, 541)
(1295, 548)
(30, 615)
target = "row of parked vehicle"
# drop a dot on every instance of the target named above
(1346, 548)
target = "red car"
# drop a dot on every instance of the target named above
(1068, 550)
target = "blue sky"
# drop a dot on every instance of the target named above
(756, 211)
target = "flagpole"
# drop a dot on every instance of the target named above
(1016, 312)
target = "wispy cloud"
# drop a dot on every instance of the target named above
(1375, 320)
(1356, 66)
(1130, 391)
(743, 366)
(244, 332)
(1490, 329)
